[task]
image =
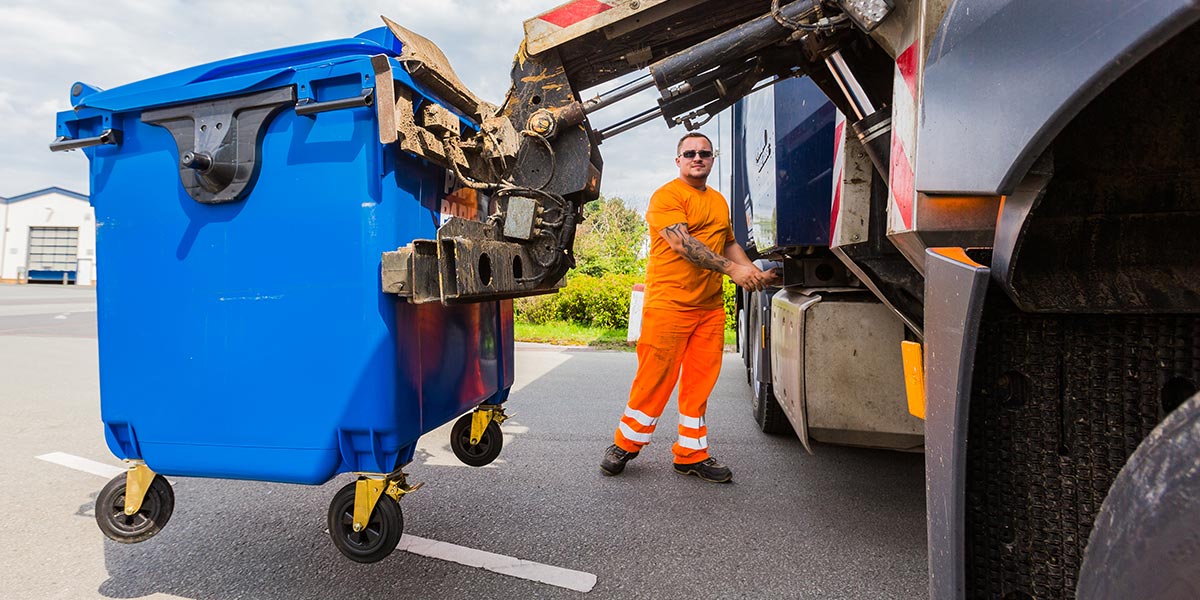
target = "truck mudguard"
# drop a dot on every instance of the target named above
(1062, 53)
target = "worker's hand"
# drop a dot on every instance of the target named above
(772, 277)
(748, 277)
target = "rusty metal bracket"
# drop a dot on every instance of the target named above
(427, 64)
(460, 269)
(469, 262)
(396, 110)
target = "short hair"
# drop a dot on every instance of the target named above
(692, 134)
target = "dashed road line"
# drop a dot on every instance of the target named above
(82, 464)
(498, 563)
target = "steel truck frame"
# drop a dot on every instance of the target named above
(1016, 181)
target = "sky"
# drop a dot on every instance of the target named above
(47, 45)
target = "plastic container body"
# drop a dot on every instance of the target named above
(250, 339)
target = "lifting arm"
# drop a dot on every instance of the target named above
(538, 153)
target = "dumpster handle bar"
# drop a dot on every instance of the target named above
(111, 137)
(307, 106)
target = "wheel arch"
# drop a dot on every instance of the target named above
(1066, 54)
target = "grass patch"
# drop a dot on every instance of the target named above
(570, 334)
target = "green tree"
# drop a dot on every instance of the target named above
(610, 239)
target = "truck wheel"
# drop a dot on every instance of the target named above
(767, 412)
(146, 522)
(748, 338)
(377, 540)
(1146, 540)
(763, 404)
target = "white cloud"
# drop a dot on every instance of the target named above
(47, 45)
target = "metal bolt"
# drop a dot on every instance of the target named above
(200, 161)
(541, 122)
(635, 5)
(357, 528)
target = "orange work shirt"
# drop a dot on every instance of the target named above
(671, 281)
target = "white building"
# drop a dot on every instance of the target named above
(46, 235)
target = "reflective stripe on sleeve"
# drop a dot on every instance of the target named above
(632, 435)
(693, 422)
(691, 443)
(642, 418)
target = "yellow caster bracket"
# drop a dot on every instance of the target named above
(368, 489)
(484, 416)
(137, 482)
(135, 505)
(475, 438)
(365, 520)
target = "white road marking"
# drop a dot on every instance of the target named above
(82, 464)
(498, 563)
(25, 310)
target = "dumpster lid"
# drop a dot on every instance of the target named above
(274, 68)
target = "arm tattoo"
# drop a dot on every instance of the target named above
(695, 252)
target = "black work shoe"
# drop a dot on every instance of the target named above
(615, 459)
(708, 470)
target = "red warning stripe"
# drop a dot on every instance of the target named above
(837, 189)
(907, 64)
(570, 14)
(902, 181)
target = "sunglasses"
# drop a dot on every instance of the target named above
(689, 154)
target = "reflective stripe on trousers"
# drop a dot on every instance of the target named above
(675, 347)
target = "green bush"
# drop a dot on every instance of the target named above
(537, 310)
(585, 300)
(729, 295)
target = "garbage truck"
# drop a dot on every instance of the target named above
(1009, 219)
(988, 253)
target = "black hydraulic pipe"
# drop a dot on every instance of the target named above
(737, 43)
(704, 89)
(618, 94)
(630, 123)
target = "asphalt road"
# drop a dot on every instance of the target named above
(845, 523)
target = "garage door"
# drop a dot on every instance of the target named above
(53, 252)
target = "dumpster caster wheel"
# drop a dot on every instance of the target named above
(377, 540)
(475, 455)
(156, 510)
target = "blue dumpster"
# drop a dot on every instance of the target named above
(242, 208)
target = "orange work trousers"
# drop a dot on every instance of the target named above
(672, 342)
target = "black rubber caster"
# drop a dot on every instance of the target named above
(480, 454)
(377, 540)
(146, 522)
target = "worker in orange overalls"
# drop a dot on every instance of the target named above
(683, 319)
